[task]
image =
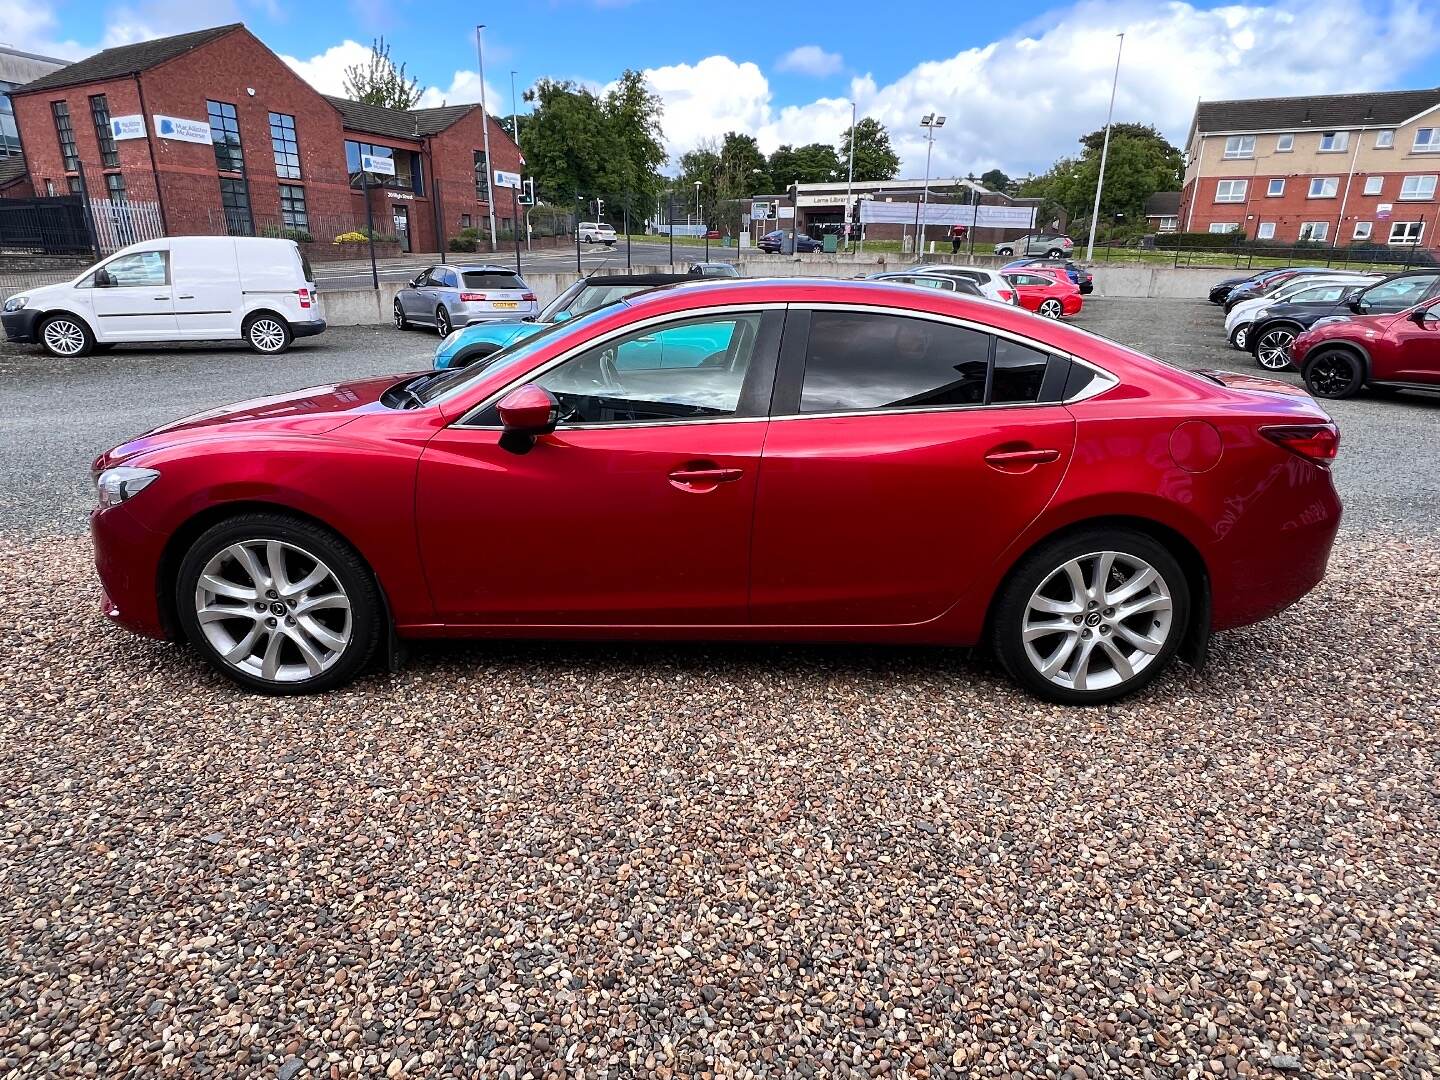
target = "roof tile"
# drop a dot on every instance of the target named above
(126, 59)
(1322, 112)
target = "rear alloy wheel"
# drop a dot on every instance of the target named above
(442, 321)
(401, 322)
(1334, 374)
(1240, 336)
(1054, 253)
(1272, 351)
(277, 604)
(1007, 251)
(1092, 617)
(1051, 309)
(267, 334)
(66, 337)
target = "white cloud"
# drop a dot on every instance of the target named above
(1020, 102)
(326, 71)
(464, 88)
(810, 60)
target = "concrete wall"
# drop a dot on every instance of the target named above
(360, 307)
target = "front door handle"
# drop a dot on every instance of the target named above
(703, 476)
(183, 296)
(1019, 459)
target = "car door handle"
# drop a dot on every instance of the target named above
(1019, 459)
(183, 296)
(160, 298)
(703, 477)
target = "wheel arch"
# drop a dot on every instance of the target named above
(256, 312)
(1342, 345)
(55, 313)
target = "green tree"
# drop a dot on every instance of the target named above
(632, 115)
(813, 163)
(995, 180)
(379, 82)
(875, 158)
(1140, 163)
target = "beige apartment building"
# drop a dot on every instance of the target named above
(1335, 169)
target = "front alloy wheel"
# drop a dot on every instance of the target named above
(1272, 351)
(1052, 309)
(1240, 339)
(66, 337)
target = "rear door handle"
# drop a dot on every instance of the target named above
(183, 296)
(704, 477)
(160, 298)
(1020, 460)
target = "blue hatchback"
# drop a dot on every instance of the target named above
(472, 343)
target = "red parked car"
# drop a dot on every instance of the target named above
(779, 460)
(1340, 355)
(1046, 290)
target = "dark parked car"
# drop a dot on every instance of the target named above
(1079, 276)
(1272, 334)
(1268, 282)
(772, 242)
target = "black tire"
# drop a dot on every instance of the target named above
(1033, 571)
(1006, 251)
(401, 322)
(1334, 373)
(66, 336)
(1054, 253)
(367, 613)
(442, 321)
(1240, 336)
(267, 334)
(1051, 309)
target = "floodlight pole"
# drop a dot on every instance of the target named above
(1104, 153)
(485, 116)
(850, 180)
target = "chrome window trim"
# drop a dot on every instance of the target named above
(1102, 381)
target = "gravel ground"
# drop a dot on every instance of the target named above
(575, 861)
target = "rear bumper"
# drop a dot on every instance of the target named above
(22, 326)
(1086, 288)
(307, 329)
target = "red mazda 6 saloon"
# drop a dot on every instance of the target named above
(777, 460)
(1047, 291)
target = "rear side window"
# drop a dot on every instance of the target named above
(861, 361)
(1019, 373)
(491, 279)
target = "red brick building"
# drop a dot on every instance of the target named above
(223, 136)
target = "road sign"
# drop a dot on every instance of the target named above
(507, 179)
(762, 211)
(786, 212)
(383, 165)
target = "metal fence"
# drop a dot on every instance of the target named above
(48, 226)
(1260, 255)
(119, 224)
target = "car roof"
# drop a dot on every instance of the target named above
(469, 268)
(636, 279)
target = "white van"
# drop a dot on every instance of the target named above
(181, 288)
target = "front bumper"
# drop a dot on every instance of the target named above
(22, 326)
(127, 558)
(307, 329)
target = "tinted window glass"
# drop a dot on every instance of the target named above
(1019, 371)
(691, 371)
(860, 361)
(143, 268)
(600, 295)
(446, 278)
(490, 279)
(1393, 296)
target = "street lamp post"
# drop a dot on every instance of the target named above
(514, 116)
(930, 121)
(697, 214)
(485, 116)
(1104, 153)
(850, 179)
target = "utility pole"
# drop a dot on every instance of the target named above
(514, 116)
(1104, 153)
(850, 179)
(485, 116)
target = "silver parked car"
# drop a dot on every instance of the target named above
(713, 269)
(449, 297)
(1051, 245)
(944, 282)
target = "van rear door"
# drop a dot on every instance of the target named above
(207, 287)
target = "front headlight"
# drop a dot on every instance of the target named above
(114, 486)
(15, 303)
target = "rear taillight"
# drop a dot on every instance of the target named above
(1313, 442)
(469, 297)
(1007, 296)
(529, 298)
(304, 295)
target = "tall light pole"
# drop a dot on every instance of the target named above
(930, 121)
(514, 105)
(485, 116)
(697, 202)
(850, 179)
(1104, 153)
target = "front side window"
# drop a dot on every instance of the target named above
(225, 135)
(1324, 187)
(1230, 191)
(1334, 141)
(1284, 144)
(1314, 230)
(1417, 187)
(66, 134)
(100, 114)
(292, 207)
(863, 361)
(235, 199)
(1427, 140)
(1374, 185)
(1275, 187)
(139, 269)
(285, 146)
(1406, 232)
(1266, 231)
(1385, 139)
(1240, 146)
(693, 370)
(1362, 231)
(1391, 296)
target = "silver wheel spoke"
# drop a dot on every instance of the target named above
(1142, 606)
(1077, 583)
(337, 601)
(308, 582)
(275, 563)
(1103, 565)
(1081, 674)
(321, 633)
(245, 645)
(220, 587)
(1136, 583)
(217, 613)
(1139, 641)
(1039, 630)
(1056, 607)
(270, 666)
(307, 652)
(1119, 659)
(1062, 655)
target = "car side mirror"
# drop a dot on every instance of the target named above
(527, 412)
(103, 280)
(1428, 318)
(562, 316)
(413, 282)
(1355, 305)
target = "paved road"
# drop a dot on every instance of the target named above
(58, 416)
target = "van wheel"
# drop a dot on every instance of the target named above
(267, 334)
(66, 336)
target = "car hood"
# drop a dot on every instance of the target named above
(41, 294)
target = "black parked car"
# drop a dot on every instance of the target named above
(1221, 289)
(1264, 284)
(1271, 335)
(773, 242)
(1081, 277)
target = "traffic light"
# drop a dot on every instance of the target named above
(599, 209)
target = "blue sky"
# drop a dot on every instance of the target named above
(1018, 91)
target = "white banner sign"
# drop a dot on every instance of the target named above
(785, 213)
(507, 179)
(903, 213)
(181, 130)
(130, 127)
(385, 166)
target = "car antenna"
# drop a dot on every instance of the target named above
(602, 266)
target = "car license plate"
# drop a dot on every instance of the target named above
(506, 305)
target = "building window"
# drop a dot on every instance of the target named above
(1284, 144)
(225, 134)
(1362, 231)
(465, 221)
(1240, 146)
(1332, 142)
(1266, 231)
(1417, 187)
(1324, 187)
(1384, 139)
(1275, 187)
(1224, 226)
(1374, 185)
(66, 134)
(1427, 141)
(1406, 232)
(1314, 230)
(235, 198)
(292, 207)
(482, 177)
(9, 130)
(73, 183)
(1230, 191)
(407, 167)
(100, 113)
(115, 187)
(285, 145)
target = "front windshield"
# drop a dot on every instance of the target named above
(586, 296)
